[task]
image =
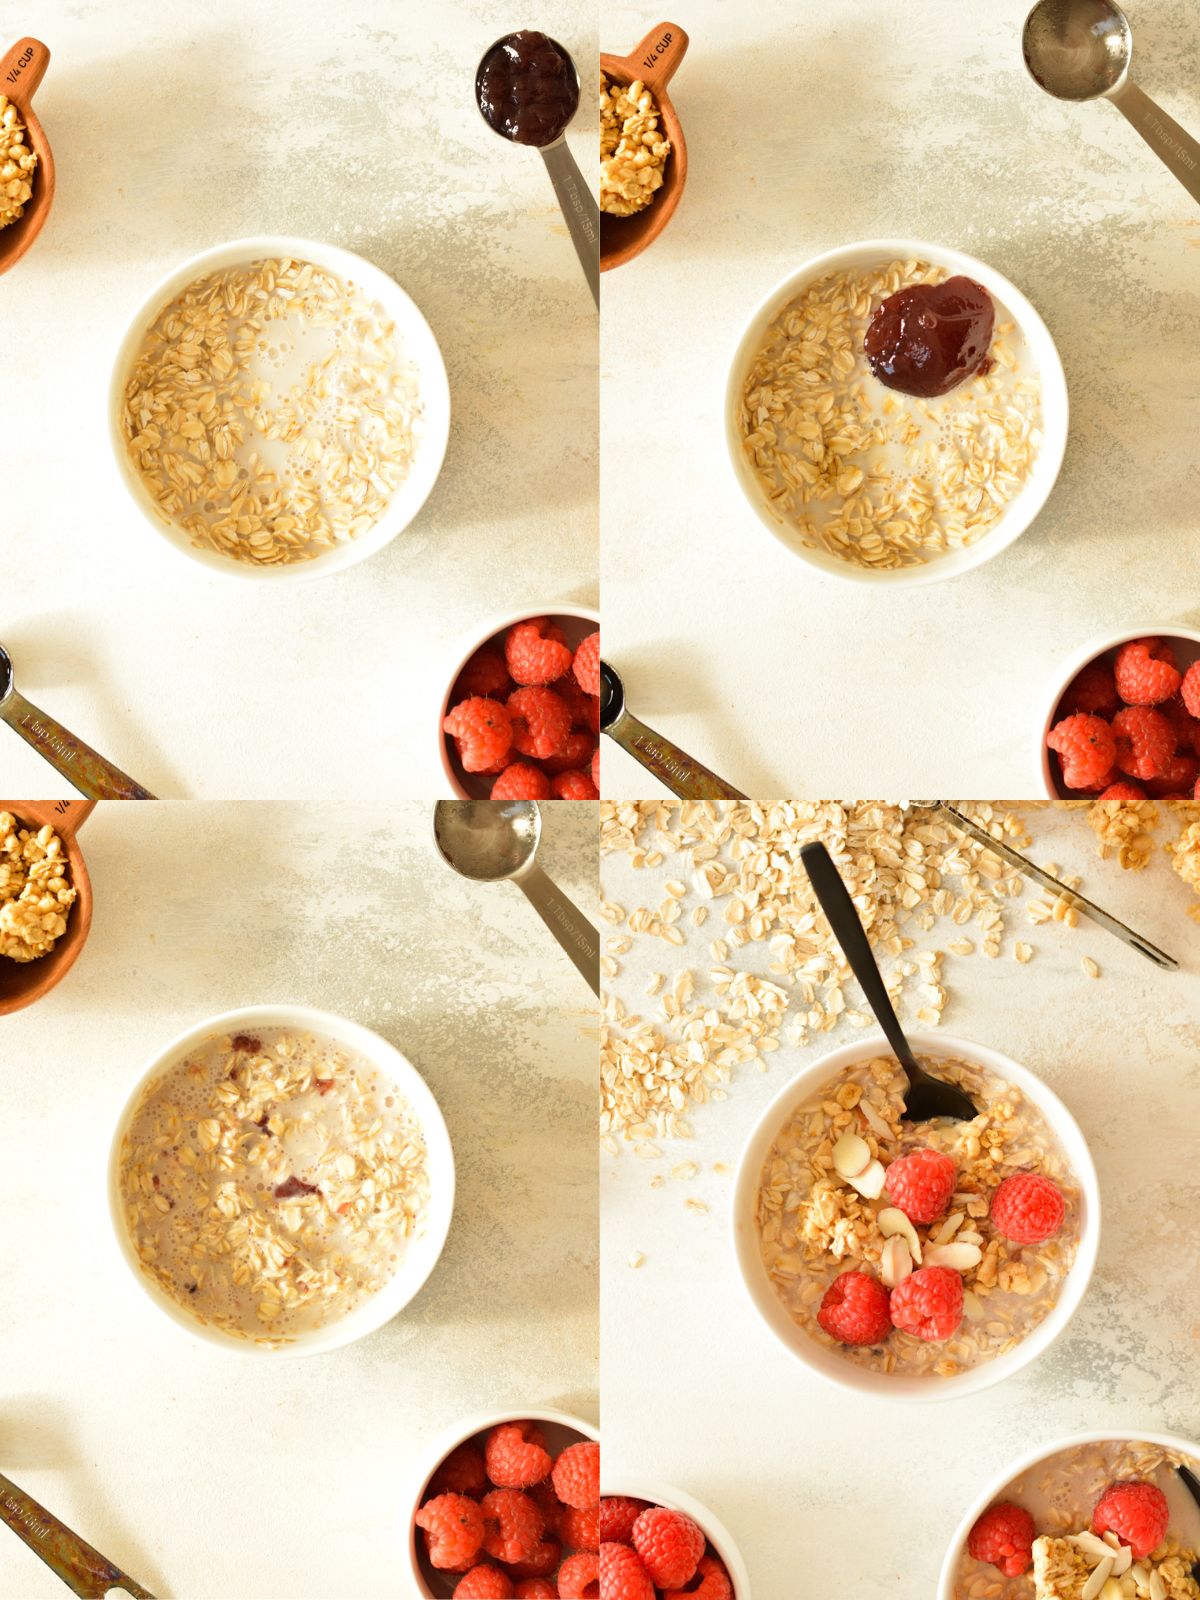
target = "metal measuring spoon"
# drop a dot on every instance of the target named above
(84, 1570)
(684, 776)
(1081, 50)
(491, 840)
(92, 775)
(580, 207)
(928, 1097)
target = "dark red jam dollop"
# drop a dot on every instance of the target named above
(528, 88)
(929, 338)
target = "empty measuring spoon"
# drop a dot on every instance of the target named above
(492, 840)
(527, 91)
(84, 1570)
(21, 70)
(1081, 50)
(669, 764)
(928, 1097)
(92, 775)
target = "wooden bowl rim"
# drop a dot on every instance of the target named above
(662, 209)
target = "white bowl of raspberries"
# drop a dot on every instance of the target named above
(521, 717)
(662, 1544)
(506, 1507)
(1124, 722)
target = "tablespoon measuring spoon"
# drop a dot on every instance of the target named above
(84, 1570)
(683, 775)
(92, 775)
(489, 841)
(504, 85)
(1081, 50)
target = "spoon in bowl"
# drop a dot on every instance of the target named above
(1192, 1484)
(683, 775)
(21, 70)
(527, 91)
(1081, 50)
(928, 1097)
(489, 841)
(84, 1570)
(92, 775)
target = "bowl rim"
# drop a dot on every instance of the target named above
(401, 1289)
(414, 329)
(462, 652)
(893, 1387)
(449, 1438)
(82, 910)
(1035, 492)
(1030, 1458)
(1075, 664)
(665, 1494)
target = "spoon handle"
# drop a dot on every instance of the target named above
(1023, 865)
(566, 922)
(1173, 145)
(580, 209)
(91, 774)
(21, 70)
(849, 932)
(683, 775)
(84, 1571)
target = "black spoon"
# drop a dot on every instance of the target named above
(927, 1097)
(1192, 1484)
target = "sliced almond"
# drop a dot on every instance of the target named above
(892, 1221)
(1114, 1589)
(851, 1156)
(874, 1121)
(869, 1183)
(1098, 1580)
(895, 1262)
(958, 1257)
(1092, 1546)
(949, 1228)
(1158, 1589)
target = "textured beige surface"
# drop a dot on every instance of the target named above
(213, 1476)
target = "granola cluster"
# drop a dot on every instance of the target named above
(18, 163)
(36, 895)
(633, 148)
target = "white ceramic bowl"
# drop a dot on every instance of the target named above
(999, 1485)
(1187, 650)
(1021, 510)
(576, 623)
(416, 343)
(827, 1363)
(423, 1253)
(560, 1428)
(661, 1494)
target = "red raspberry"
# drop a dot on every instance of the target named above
(513, 1525)
(1185, 725)
(596, 769)
(516, 1456)
(921, 1184)
(618, 1513)
(533, 654)
(453, 1527)
(1086, 748)
(580, 703)
(1189, 689)
(483, 729)
(928, 1304)
(576, 1475)
(535, 1589)
(1122, 791)
(542, 1560)
(1136, 1512)
(581, 1529)
(549, 1505)
(574, 786)
(1028, 1208)
(587, 664)
(574, 755)
(855, 1310)
(1145, 672)
(484, 1583)
(670, 1546)
(579, 1577)
(1004, 1537)
(521, 782)
(623, 1575)
(714, 1583)
(540, 722)
(485, 673)
(1146, 742)
(1178, 781)
(462, 1472)
(1092, 691)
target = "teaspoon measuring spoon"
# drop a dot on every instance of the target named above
(92, 775)
(683, 775)
(1081, 50)
(84, 1570)
(492, 840)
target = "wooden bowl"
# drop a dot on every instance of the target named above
(21, 70)
(655, 61)
(23, 982)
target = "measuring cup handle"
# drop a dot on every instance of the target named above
(683, 775)
(1173, 145)
(655, 59)
(566, 922)
(579, 207)
(22, 68)
(91, 774)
